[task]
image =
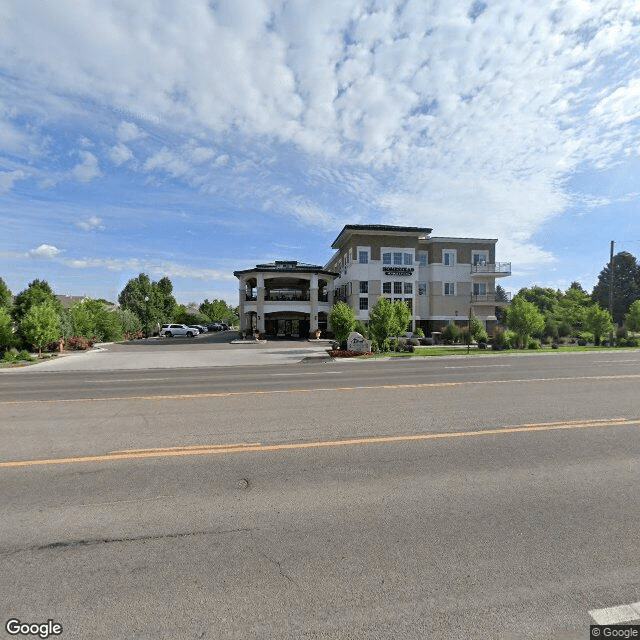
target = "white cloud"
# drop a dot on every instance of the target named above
(90, 223)
(8, 178)
(467, 124)
(86, 170)
(44, 251)
(120, 154)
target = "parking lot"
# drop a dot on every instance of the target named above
(205, 350)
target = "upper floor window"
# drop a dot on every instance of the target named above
(422, 259)
(449, 289)
(386, 258)
(397, 258)
(479, 258)
(364, 304)
(363, 257)
(397, 287)
(408, 288)
(386, 287)
(364, 286)
(449, 258)
(479, 288)
(422, 288)
(408, 258)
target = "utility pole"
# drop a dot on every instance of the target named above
(611, 291)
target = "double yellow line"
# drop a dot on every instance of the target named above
(225, 449)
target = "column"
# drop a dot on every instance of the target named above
(313, 299)
(242, 294)
(260, 302)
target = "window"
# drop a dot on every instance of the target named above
(479, 288)
(449, 289)
(408, 288)
(386, 258)
(409, 303)
(363, 257)
(422, 259)
(408, 258)
(364, 286)
(479, 258)
(364, 304)
(397, 287)
(422, 288)
(397, 258)
(386, 287)
(449, 258)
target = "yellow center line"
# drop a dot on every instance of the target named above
(261, 392)
(196, 450)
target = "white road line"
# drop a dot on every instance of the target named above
(319, 373)
(616, 615)
(478, 366)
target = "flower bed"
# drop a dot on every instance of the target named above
(340, 353)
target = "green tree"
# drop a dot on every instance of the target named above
(5, 295)
(382, 321)
(128, 320)
(152, 311)
(342, 320)
(478, 332)
(402, 315)
(545, 299)
(37, 292)
(7, 338)
(40, 325)
(524, 318)
(632, 318)
(626, 285)
(598, 321)
(219, 310)
(91, 318)
(571, 307)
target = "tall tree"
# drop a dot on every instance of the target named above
(37, 292)
(626, 285)
(40, 325)
(598, 321)
(154, 310)
(5, 295)
(524, 318)
(342, 320)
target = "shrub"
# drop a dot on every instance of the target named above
(418, 333)
(451, 333)
(362, 328)
(25, 356)
(564, 329)
(511, 339)
(585, 336)
(9, 357)
(533, 343)
(79, 343)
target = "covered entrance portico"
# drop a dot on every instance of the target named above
(287, 325)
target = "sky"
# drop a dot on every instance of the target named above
(193, 139)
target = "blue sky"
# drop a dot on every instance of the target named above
(196, 139)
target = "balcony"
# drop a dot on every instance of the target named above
(286, 296)
(497, 269)
(491, 298)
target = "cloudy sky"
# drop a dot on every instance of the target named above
(191, 139)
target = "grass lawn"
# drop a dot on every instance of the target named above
(421, 352)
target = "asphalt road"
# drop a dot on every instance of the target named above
(492, 497)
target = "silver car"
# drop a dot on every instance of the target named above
(170, 330)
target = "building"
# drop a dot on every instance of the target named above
(442, 280)
(285, 298)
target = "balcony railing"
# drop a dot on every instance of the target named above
(498, 268)
(491, 298)
(251, 297)
(286, 296)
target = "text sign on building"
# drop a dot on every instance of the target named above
(397, 271)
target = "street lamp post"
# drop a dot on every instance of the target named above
(146, 317)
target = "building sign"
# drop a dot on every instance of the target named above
(397, 271)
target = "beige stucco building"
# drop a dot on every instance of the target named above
(442, 280)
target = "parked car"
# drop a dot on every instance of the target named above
(170, 330)
(218, 326)
(196, 327)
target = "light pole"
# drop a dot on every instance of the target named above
(146, 317)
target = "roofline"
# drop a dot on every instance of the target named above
(378, 228)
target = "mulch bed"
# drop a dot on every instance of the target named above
(339, 353)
